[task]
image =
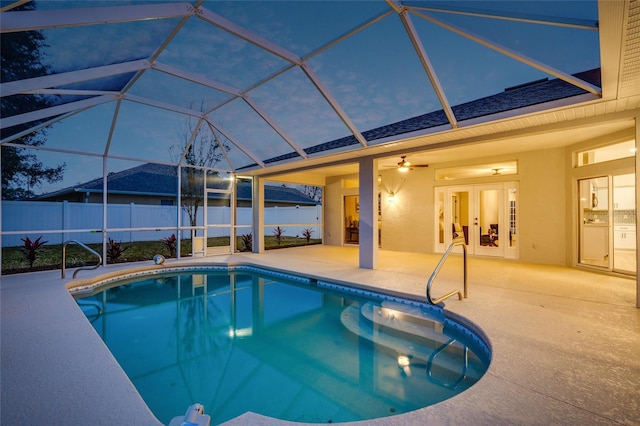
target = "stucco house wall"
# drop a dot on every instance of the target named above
(407, 217)
(408, 220)
(543, 203)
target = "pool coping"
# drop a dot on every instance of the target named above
(502, 396)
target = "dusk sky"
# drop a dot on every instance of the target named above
(374, 75)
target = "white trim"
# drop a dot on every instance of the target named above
(428, 67)
(43, 19)
(71, 77)
(275, 127)
(223, 23)
(56, 110)
(324, 91)
(195, 78)
(515, 55)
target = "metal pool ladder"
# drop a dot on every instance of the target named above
(437, 269)
(85, 268)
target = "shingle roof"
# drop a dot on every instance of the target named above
(161, 180)
(534, 93)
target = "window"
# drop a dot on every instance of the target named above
(606, 153)
(478, 170)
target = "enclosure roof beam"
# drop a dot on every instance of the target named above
(275, 126)
(238, 145)
(221, 147)
(41, 114)
(195, 78)
(162, 105)
(515, 55)
(71, 77)
(425, 61)
(583, 24)
(33, 20)
(324, 91)
(249, 36)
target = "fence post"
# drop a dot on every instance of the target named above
(131, 207)
(65, 219)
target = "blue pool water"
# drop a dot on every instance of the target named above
(242, 340)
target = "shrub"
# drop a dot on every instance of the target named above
(307, 234)
(31, 248)
(114, 250)
(277, 232)
(247, 242)
(170, 244)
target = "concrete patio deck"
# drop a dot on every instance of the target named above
(566, 343)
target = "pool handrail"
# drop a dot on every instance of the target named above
(85, 268)
(463, 373)
(437, 269)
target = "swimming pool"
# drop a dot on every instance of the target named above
(239, 339)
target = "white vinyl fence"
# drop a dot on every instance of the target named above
(57, 221)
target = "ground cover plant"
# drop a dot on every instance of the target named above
(49, 256)
(115, 250)
(31, 249)
(278, 233)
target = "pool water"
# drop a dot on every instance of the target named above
(238, 341)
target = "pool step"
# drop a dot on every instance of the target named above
(411, 333)
(404, 319)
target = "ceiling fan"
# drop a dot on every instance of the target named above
(404, 165)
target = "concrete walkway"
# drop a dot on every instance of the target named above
(566, 343)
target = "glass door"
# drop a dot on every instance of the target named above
(460, 208)
(487, 221)
(624, 223)
(476, 216)
(351, 219)
(594, 222)
(484, 217)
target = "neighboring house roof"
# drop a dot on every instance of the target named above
(524, 95)
(160, 180)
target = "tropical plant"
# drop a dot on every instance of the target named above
(247, 242)
(114, 250)
(307, 234)
(278, 232)
(31, 248)
(170, 244)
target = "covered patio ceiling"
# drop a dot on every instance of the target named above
(278, 86)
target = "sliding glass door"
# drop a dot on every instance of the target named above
(624, 223)
(594, 222)
(607, 221)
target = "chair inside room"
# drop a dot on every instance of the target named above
(459, 233)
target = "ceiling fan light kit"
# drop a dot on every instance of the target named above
(404, 165)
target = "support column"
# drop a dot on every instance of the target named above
(637, 202)
(257, 211)
(105, 209)
(368, 247)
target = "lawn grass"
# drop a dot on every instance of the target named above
(50, 255)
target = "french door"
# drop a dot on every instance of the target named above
(483, 216)
(607, 223)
